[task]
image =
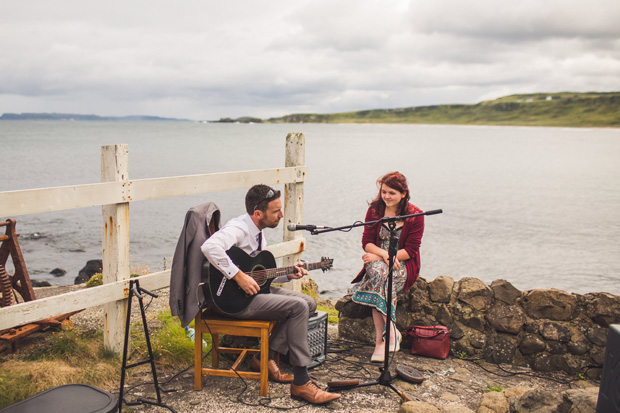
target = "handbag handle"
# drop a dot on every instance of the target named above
(438, 331)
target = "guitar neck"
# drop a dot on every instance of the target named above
(276, 272)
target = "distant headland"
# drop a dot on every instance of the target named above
(76, 117)
(564, 109)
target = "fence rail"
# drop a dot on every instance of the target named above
(114, 195)
(34, 201)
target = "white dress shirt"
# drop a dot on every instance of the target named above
(240, 232)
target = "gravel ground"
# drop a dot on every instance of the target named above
(451, 385)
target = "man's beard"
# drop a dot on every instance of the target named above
(272, 225)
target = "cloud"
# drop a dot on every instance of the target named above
(522, 20)
(202, 60)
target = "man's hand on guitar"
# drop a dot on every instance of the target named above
(301, 271)
(247, 283)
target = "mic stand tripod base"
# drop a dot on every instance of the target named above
(384, 380)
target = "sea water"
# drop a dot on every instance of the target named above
(539, 207)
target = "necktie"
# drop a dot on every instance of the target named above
(260, 241)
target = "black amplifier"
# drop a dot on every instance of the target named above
(317, 338)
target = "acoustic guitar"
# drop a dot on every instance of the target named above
(226, 295)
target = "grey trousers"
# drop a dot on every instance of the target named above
(292, 311)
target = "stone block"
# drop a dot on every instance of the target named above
(475, 293)
(505, 292)
(556, 362)
(537, 400)
(581, 400)
(603, 308)
(577, 348)
(549, 304)
(444, 316)
(598, 335)
(555, 332)
(475, 321)
(503, 348)
(477, 340)
(440, 289)
(555, 347)
(597, 355)
(506, 319)
(418, 407)
(493, 402)
(349, 309)
(531, 344)
(358, 329)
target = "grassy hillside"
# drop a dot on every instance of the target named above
(564, 109)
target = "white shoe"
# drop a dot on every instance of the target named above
(396, 346)
(377, 358)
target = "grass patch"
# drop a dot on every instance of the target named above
(64, 357)
(332, 314)
(310, 288)
(97, 279)
(169, 341)
(73, 356)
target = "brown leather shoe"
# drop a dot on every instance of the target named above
(311, 393)
(273, 370)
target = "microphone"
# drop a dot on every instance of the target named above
(298, 227)
(433, 212)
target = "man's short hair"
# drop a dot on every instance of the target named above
(258, 197)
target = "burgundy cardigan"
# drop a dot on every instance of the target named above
(410, 239)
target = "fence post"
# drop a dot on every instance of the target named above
(115, 167)
(294, 198)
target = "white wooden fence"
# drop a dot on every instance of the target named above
(114, 194)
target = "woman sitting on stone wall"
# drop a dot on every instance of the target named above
(370, 287)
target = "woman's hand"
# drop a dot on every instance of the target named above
(301, 271)
(370, 257)
(386, 260)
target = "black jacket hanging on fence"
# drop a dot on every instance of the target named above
(185, 296)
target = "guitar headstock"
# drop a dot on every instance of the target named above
(326, 263)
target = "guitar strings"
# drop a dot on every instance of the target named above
(279, 271)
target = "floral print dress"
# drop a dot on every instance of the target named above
(372, 290)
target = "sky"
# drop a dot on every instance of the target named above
(205, 60)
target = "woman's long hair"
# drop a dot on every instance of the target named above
(394, 180)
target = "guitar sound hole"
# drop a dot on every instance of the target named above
(259, 274)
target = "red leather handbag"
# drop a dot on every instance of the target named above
(430, 341)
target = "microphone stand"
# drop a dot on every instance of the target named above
(385, 378)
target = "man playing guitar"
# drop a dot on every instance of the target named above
(291, 309)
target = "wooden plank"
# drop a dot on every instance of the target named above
(144, 189)
(115, 242)
(231, 373)
(42, 308)
(293, 199)
(287, 248)
(33, 201)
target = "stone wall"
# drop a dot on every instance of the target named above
(547, 330)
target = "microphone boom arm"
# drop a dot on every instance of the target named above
(371, 223)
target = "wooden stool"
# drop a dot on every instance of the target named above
(215, 324)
